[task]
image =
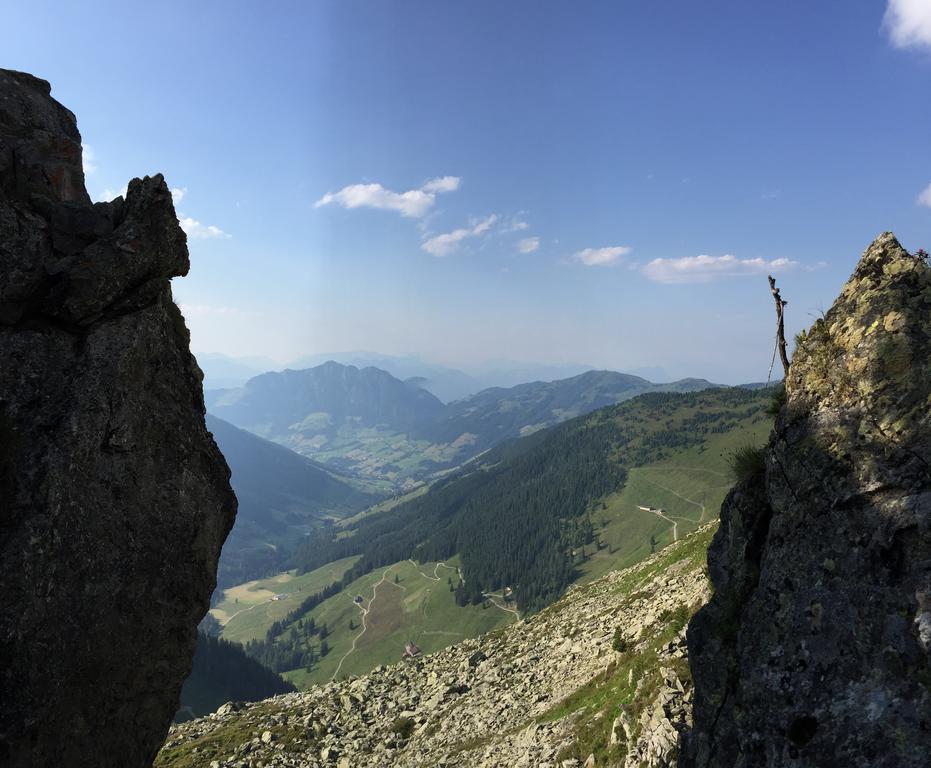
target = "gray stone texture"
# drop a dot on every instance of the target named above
(814, 650)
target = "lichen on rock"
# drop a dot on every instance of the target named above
(114, 499)
(813, 649)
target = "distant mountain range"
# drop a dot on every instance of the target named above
(500, 413)
(447, 383)
(370, 424)
(282, 496)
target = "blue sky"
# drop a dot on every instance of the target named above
(598, 182)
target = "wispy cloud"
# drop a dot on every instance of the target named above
(443, 245)
(442, 184)
(528, 244)
(601, 257)
(198, 231)
(925, 197)
(908, 23)
(177, 194)
(704, 269)
(516, 224)
(90, 164)
(413, 204)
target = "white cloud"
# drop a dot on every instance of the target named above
(442, 184)
(412, 204)
(177, 194)
(443, 245)
(704, 269)
(600, 257)
(925, 197)
(90, 164)
(528, 244)
(908, 23)
(516, 224)
(199, 231)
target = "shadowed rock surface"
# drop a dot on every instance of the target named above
(814, 650)
(114, 500)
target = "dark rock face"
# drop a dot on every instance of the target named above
(814, 650)
(114, 500)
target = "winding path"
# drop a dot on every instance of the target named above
(364, 610)
(244, 610)
(675, 525)
(432, 578)
(491, 598)
(701, 518)
(488, 595)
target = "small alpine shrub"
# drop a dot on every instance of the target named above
(748, 463)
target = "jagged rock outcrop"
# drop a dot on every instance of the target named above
(114, 500)
(815, 648)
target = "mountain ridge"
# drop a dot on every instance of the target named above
(405, 434)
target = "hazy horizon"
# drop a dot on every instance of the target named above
(520, 181)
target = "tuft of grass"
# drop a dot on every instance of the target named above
(619, 643)
(778, 401)
(403, 727)
(748, 463)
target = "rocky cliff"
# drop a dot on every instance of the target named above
(114, 500)
(815, 648)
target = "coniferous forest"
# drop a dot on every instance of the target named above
(516, 517)
(223, 672)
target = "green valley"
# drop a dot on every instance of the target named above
(391, 434)
(605, 490)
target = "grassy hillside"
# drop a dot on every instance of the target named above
(246, 611)
(683, 485)
(602, 671)
(527, 516)
(689, 486)
(419, 607)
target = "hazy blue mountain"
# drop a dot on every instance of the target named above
(354, 420)
(444, 382)
(511, 373)
(392, 433)
(282, 496)
(321, 400)
(498, 413)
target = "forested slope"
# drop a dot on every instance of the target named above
(223, 672)
(521, 517)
